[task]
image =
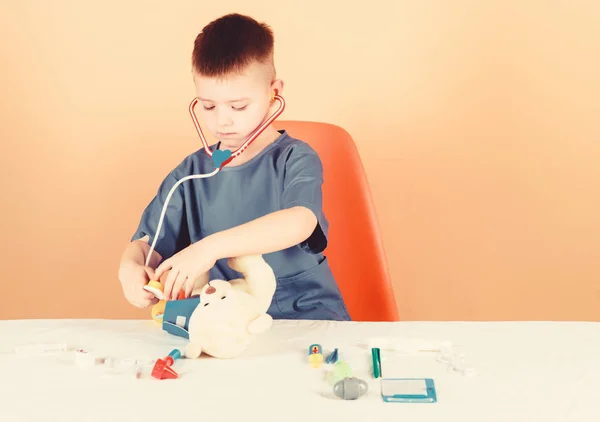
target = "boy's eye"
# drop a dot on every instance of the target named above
(239, 108)
(208, 108)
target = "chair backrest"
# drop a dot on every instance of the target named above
(355, 250)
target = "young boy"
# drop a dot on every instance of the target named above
(266, 201)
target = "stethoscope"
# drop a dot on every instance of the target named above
(220, 158)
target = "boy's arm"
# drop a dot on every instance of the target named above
(136, 252)
(270, 233)
(300, 222)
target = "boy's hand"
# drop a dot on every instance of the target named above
(133, 279)
(186, 267)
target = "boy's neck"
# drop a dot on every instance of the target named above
(269, 135)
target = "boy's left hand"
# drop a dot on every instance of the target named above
(186, 267)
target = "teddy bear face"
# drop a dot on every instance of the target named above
(219, 298)
(214, 291)
(219, 324)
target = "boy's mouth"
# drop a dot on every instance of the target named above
(226, 134)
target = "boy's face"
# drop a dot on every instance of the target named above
(232, 107)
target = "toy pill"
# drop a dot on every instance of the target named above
(315, 355)
(350, 388)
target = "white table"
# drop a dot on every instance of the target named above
(525, 372)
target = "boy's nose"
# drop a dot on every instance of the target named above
(224, 120)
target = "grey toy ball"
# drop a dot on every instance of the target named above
(350, 388)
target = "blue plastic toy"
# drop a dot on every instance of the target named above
(177, 316)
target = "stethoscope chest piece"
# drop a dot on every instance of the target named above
(221, 157)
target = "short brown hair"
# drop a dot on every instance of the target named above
(230, 43)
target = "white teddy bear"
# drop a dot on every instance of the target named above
(230, 312)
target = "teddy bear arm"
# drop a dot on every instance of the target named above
(259, 278)
(193, 350)
(240, 285)
(260, 324)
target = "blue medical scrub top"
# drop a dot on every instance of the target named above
(286, 173)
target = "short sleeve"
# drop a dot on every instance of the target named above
(303, 187)
(173, 235)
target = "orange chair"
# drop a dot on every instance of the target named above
(355, 250)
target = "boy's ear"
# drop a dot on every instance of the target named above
(276, 88)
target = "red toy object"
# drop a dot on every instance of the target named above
(162, 368)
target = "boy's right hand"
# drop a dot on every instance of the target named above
(133, 278)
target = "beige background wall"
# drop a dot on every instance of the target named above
(478, 123)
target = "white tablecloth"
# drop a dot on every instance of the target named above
(526, 371)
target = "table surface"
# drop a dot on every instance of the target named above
(525, 371)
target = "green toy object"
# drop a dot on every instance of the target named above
(340, 371)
